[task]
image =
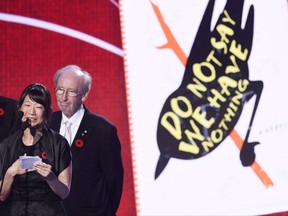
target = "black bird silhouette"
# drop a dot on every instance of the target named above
(201, 113)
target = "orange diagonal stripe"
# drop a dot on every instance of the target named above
(255, 166)
(171, 41)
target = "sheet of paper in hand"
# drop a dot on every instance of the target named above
(26, 162)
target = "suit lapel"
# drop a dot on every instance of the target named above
(85, 129)
(56, 121)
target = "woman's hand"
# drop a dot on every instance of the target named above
(59, 184)
(10, 174)
(15, 169)
(44, 170)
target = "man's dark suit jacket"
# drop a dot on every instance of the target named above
(8, 112)
(97, 177)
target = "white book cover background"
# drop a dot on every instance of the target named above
(211, 181)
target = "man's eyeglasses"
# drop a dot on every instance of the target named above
(69, 92)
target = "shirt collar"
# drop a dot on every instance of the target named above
(76, 118)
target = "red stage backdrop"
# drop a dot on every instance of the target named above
(39, 37)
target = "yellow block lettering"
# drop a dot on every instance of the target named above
(201, 118)
(219, 45)
(179, 110)
(194, 135)
(217, 136)
(224, 30)
(236, 99)
(212, 58)
(207, 144)
(225, 82)
(243, 84)
(217, 96)
(232, 68)
(197, 69)
(175, 129)
(227, 18)
(236, 50)
(195, 88)
(189, 148)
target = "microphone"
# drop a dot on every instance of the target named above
(19, 115)
(25, 124)
(18, 124)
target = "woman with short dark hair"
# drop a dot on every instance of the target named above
(40, 189)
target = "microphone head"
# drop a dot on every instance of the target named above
(25, 124)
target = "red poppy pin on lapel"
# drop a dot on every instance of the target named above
(79, 143)
(43, 155)
(2, 111)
